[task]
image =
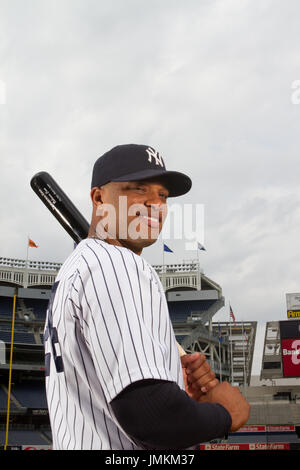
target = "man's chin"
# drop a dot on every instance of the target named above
(137, 245)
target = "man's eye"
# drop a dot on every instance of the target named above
(133, 188)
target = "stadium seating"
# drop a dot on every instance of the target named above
(31, 394)
(6, 306)
(21, 333)
(3, 400)
(287, 437)
(19, 337)
(38, 307)
(180, 338)
(251, 437)
(6, 326)
(180, 311)
(23, 437)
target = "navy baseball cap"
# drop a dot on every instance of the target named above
(133, 162)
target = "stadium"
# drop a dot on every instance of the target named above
(193, 300)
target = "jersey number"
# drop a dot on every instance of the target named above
(51, 333)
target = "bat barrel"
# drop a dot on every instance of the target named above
(56, 200)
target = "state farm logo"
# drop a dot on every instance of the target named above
(269, 446)
(294, 352)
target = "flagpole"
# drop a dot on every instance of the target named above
(199, 247)
(199, 272)
(220, 361)
(26, 266)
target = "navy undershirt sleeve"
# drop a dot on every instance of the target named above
(157, 414)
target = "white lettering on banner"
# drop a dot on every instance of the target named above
(288, 352)
(270, 446)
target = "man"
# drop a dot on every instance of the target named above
(114, 377)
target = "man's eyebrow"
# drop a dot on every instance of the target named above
(147, 182)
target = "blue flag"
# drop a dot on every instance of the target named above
(201, 247)
(220, 337)
(166, 248)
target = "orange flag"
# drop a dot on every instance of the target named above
(32, 244)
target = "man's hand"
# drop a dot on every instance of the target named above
(234, 402)
(198, 376)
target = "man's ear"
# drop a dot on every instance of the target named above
(96, 196)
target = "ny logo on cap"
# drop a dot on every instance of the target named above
(152, 153)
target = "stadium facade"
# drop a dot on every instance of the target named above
(193, 300)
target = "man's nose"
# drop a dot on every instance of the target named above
(154, 200)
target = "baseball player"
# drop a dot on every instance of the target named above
(114, 375)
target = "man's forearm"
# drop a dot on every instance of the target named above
(159, 415)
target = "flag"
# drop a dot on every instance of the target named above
(201, 247)
(32, 244)
(231, 314)
(166, 248)
(245, 335)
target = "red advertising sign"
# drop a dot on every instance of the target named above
(281, 428)
(37, 447)
(252, 429)
(252, 446)
(261, 428)
(290, 350)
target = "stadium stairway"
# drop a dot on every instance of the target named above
(47, 433)
(24, 311)
(37, 337)
(13, 400)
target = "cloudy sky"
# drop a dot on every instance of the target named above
(211, 84)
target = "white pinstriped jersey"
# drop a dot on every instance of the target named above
(107, 326)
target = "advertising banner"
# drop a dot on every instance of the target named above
(290, 347)
(262, 428)
(252, 446)
(290, 357)
(293, 306)
(37, 447)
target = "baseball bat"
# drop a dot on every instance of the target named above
(63, 209)
(61, 206)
